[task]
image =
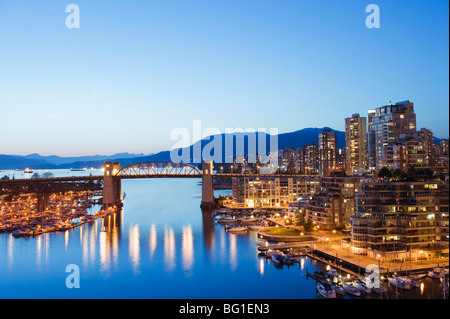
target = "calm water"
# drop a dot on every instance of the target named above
(160, 246)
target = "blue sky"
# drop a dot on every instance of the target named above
(135, 70)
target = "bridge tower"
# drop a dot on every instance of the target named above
(43, 201)
(112, 186)
(207, 185)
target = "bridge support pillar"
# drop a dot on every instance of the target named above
(207, 185)
(112, 186)
(43, 201)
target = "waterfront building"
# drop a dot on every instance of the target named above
(327, 152)
(271, 192)
(388, 125)
(355, 145)
(334, 203)
(397, 218)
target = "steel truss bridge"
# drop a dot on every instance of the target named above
(110, 182)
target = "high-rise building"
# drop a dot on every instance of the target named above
(388, 125)
(327, 152)
(415, 151)
(355, 144)
(308, 159)
(444, 147)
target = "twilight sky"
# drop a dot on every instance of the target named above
(136, 70)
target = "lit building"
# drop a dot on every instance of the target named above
(393, 218)
(355, 145)
(308, 159)
(288, 160)
(415, 151)
(327, 152)
(271, 192)
(388, 125)
(334, 203)
(444, 147)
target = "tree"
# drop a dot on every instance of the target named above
(411, 174)
(308, 226)
(384, 173)
(35, 175)
(48, 175)
(398, 175)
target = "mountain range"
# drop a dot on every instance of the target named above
(295, 139)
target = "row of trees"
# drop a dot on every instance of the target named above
(410, 175)
(34, 176)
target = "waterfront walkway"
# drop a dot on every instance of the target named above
(332, 249)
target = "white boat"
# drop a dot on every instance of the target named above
(332, 272)
(361, 286)
(271, 252)
(339, 290)
(325, 290)
(350, 289)
(236, 229)
(376, 286)
(399, 283)
(411, 281)
(277, 259)
(417, 277)
(437, 273)
(247, 221)
(288, 259)
(226, 220)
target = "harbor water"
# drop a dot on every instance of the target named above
(161, 245)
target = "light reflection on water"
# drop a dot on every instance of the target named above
(160, 246)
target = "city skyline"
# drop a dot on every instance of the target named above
(132, 73)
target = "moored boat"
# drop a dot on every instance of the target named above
(236, 229)
(332, 272)
(399, 283)
(249, 221)
(288, 259)
(325, 290)
(226, 220)
(339, 290)
(361, 286)
(411, 281)
(350, 289)
(271, 253)
(277, 259)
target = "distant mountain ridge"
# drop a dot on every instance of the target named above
(37, 161)
(295, 139)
